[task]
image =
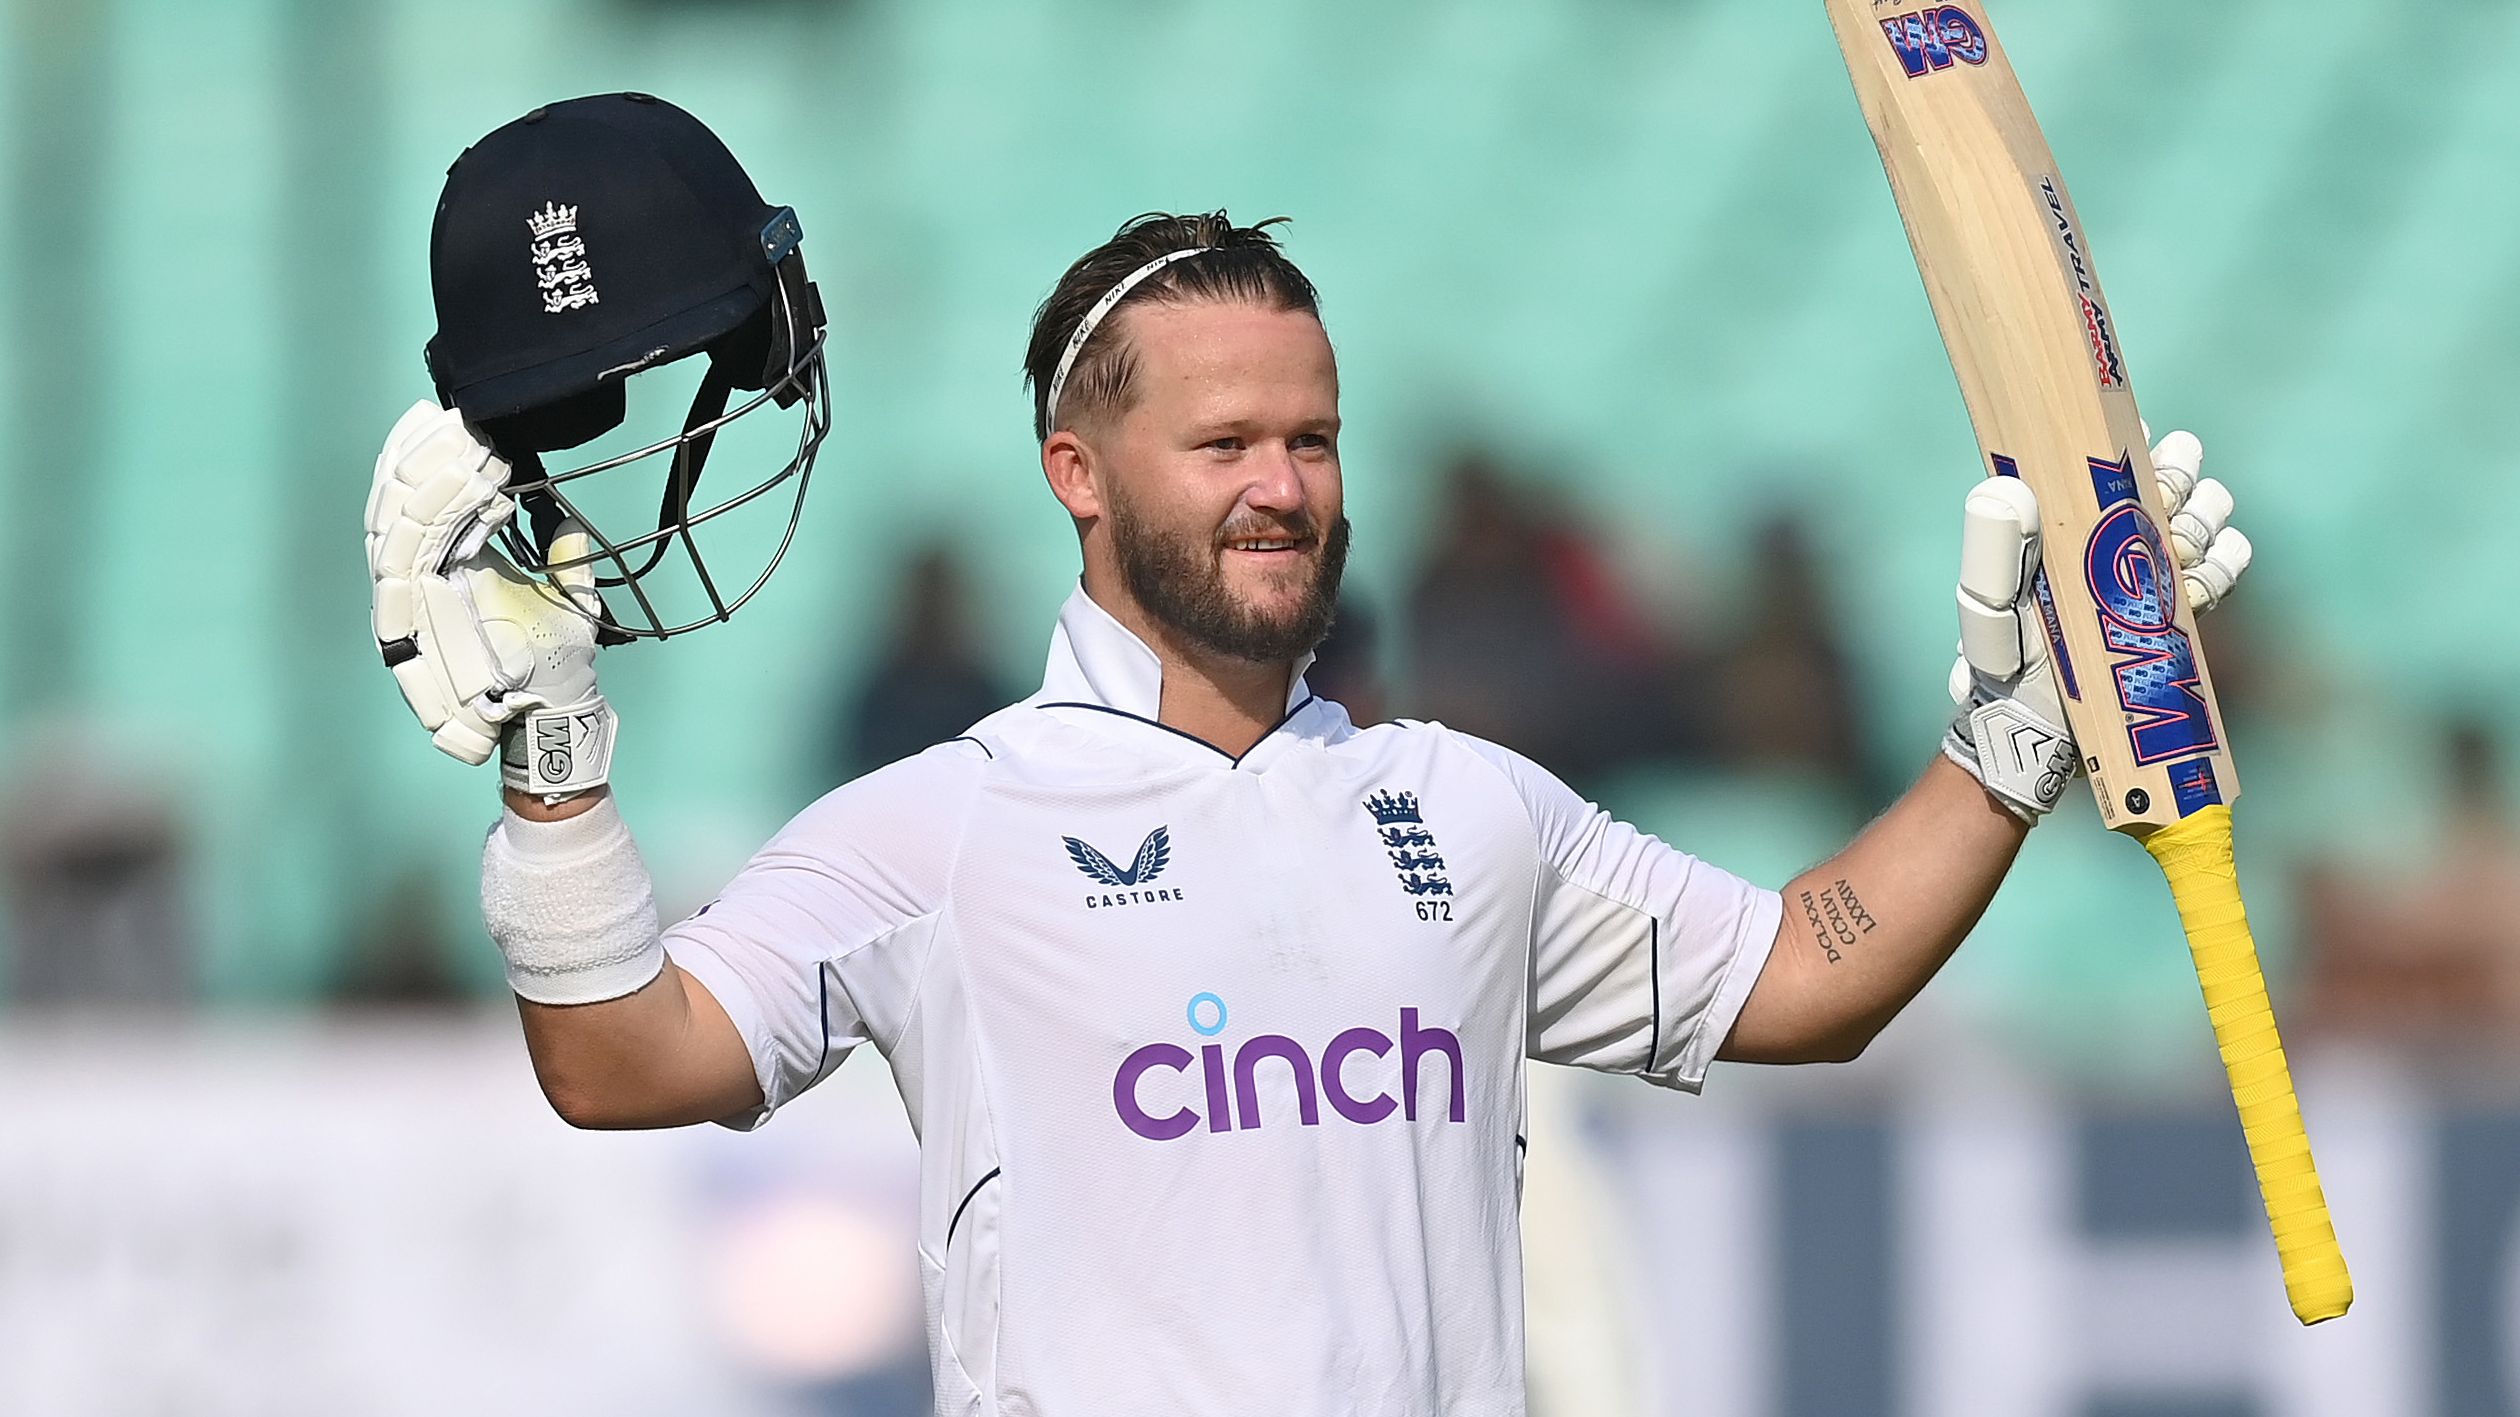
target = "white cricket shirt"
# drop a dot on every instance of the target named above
(1217, 1063)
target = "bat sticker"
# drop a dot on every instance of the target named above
(1930, 39)
(2152, 659)
(2193, 787)
(2106, 362)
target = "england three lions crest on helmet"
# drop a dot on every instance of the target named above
(561, 271)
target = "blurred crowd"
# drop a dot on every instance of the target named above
(1519, 624)
(2429, 958)
(1520, 628)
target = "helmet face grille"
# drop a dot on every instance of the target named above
(627, 566)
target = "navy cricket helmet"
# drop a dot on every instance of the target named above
(592, 240)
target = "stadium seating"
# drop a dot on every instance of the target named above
(1643, 245)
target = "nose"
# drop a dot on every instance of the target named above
(1276, 485)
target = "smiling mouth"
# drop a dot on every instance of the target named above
(1269, 545)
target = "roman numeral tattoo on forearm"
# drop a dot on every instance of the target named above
(1837, 918)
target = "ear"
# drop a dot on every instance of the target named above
(1069, 466)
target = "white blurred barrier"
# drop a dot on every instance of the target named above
(1942, 1238)
(368, 1216)
(377, 1216)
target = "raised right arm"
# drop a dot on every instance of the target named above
(813, 949)
(564, 877)
(816, 946)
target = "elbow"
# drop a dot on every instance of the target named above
(593, 1110)
(581, 1110)
(639, 1105)
(1844, 1045)
(1794, 1049)
(1844, 1050)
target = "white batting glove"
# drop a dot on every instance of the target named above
(2011, 732)
(484, 654)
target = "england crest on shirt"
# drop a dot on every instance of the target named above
(1411, 847)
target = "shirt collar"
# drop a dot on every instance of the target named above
(1094, 659)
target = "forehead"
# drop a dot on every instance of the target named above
(1210, 353)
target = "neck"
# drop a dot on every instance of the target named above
(1227, 702)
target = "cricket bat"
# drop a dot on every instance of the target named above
(2009, 273)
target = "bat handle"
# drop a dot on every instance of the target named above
(2195, 855)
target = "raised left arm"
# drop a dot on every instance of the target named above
(1863, 930)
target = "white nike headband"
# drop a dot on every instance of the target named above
(1095, 316)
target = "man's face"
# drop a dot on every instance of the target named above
(1221, 482)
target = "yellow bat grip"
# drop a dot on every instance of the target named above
(2195, 854)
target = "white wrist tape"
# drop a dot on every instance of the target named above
(569, 904)
(559, 752)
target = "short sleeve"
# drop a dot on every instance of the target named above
(1642, 955)
(817, 945)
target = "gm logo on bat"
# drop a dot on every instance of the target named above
(2132, 580)
(1928, 40)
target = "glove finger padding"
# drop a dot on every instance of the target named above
(2210, 577)
(385, 491)
(2193, 527)
(1999, 556)
(467, 737)
(2211, 552)
(478, 664)
(2010, 732)
(436, 497)
(2178, 460)
(436, 500)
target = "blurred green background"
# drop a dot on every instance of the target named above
(1635, 254)
(1655, 464)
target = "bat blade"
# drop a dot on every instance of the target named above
(2009, 273)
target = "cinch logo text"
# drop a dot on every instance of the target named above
(2149, 655)
(1229, 1089)
(1931, 38)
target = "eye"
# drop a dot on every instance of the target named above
(1226, 444)
(1310, 442)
